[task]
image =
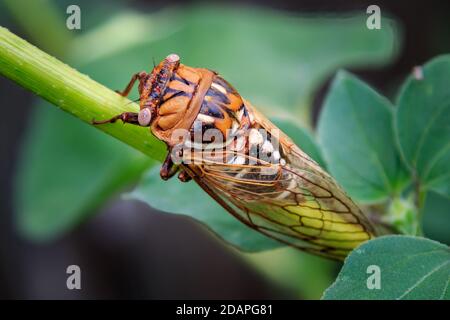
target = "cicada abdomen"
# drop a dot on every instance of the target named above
(244, 162)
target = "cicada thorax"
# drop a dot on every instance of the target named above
(211, 112)
(225, 132)
(199, 101)
(222, 109)
(180, 102)
(222, 114)
(225, 137)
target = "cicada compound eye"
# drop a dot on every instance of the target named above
(144, 117)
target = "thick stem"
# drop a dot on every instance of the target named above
(72, 91)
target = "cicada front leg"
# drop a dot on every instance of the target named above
(126, 117)
(143, 118)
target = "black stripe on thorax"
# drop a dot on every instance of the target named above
(175, 93)
(178, 78)
(212, 109)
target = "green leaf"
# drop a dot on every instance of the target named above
(423, 125)
(356, 135)
(436, 217)
(67, 169)
(409, 268)
(302, 138)
(189, 199)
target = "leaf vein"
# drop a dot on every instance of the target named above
(422, 280)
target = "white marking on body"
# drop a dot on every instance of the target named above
(251, 117)
(255, 137)
(241, 114)
(267, 147)
(276, 155)
(239, 143)
(237, 160)
(205, 118)
(219, 87)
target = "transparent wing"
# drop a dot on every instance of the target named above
(296, 202)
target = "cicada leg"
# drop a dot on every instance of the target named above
(168, 168)
(142, 118)
(137, 76)
(184, 176)
(128, 117)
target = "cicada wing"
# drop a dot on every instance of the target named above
(274, 228)
(295, 202)
(298, 207)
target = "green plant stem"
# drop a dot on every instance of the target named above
(71, 91)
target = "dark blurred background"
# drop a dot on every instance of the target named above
(148, 254)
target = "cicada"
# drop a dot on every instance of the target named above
(243, 161)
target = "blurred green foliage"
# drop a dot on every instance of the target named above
(275, 60)
(68, 169)
(305, 275)
(288, 54)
